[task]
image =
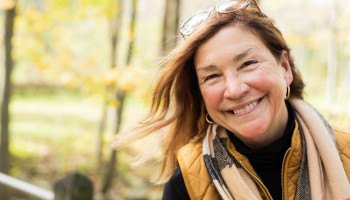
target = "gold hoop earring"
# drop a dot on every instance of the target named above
(207, 119)
(288, 92)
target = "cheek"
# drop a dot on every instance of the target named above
(260, 81)
(268, 82)
(274, 85)
(212, 96)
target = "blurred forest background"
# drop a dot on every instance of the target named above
(75, 72)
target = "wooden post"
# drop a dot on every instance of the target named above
(74, 186)
(5, 96)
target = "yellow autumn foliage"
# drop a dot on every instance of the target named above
(7, 4)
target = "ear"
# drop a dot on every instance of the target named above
(284, 60)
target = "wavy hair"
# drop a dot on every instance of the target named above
(177, 103)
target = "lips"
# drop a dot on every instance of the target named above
(246, 109)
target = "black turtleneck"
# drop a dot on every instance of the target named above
(267, 161)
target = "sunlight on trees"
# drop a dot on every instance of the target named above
(63, 75)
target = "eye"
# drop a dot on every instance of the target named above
(249, 63)
(211, 76)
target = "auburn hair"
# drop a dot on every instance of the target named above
(177, 103)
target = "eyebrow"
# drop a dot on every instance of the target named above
(243, 54)
(235, 59)
(207, 68)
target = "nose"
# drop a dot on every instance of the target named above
(234, 88)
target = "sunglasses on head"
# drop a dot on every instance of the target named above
(224, 7)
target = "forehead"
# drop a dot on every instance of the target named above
(233, 39)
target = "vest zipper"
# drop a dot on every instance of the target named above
(282, 172)
(256, 179)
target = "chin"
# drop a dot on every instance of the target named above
(254, 131)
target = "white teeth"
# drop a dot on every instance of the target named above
(246, 108)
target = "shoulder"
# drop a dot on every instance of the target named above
(190, 151)
(343, 142)
(195, 175)
(191, 161)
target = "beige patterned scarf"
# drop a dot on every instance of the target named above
(321, 174)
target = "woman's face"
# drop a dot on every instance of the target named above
(243, 85)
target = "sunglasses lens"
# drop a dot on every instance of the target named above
(229, 6)
(193, 23)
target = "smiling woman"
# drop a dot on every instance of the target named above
(232, 98)
(243, 85)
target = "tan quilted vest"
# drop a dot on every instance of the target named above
(199, 184)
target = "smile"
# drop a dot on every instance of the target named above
(246, 109)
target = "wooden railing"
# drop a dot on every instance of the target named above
(73, 186)
(27, 188)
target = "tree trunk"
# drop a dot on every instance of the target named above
(101, 131)
(344, 86)
(132, 33)
(121, 95)
(332, 64)
(10, 15)
(170, 24)
(332, 67)
(115, 26)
